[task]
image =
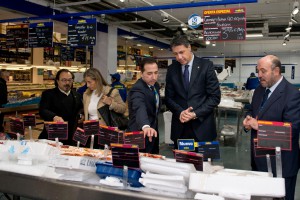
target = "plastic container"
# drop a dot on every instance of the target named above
(107, 169)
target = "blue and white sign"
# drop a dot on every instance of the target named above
(186, 144)
(194, 21)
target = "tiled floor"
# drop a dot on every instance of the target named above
(233, 157)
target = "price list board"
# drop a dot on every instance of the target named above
(40, 34)
(224, 24)
(82, 32)
(67, 53)
(17, 36)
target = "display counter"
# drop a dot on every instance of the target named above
(46, 188)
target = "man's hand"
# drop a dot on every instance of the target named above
(58, 119)
(250, 123)
(187, 115)
(150, 132)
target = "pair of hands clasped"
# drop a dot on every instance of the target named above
(250, 123)
(187, 115)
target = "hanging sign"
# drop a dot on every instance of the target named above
(224, 24)
(17, 36)
(40, 34)
(194, 21)
(82, 32)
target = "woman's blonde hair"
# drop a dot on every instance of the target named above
(95, 75)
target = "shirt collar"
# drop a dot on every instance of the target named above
(275, 85)
(66, 93)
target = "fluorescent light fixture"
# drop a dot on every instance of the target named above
(284, 43)
(213, 44)
(184, 28)
(287, 35)
(296, 8)
(122, 0)
(207, 42)
(254, 35)
(139, 45)
(294, 20)
(150, 47)
(288, 28)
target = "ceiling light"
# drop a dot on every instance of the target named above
(165, 18)
(287, 35)
(214, 44)
(296, 8)
(284, 43)
(150, 47)
(122, 0)
(254, 35)
(139, 45)
(288, 28)
(184, 28)
(294, 20)
(207, 42)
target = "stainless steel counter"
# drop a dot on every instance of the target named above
(45, 188)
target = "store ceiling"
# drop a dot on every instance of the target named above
(269, 17)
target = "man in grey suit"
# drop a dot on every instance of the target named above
(192, 94)
(275, 99)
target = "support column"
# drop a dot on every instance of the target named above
(105, 52)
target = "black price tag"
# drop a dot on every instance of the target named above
(108, 135)
(125, 155)
(136, 138)
(91, 127)
(16, 125)
(57, 130)
(29, 119)
(79, 136)
(190, 157)
(209, 150)
(272, 134)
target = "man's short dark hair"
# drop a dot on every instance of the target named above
(180, 40)
(148, 60)
(58, 75)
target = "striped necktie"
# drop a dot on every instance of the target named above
(265, 98)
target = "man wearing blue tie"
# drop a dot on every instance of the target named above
(192, 93)
(275, 99)
(144, 105)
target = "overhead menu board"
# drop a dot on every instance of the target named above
(67, 53)
(40, 34)
(17, 36)
(82, 32)
(224, 24)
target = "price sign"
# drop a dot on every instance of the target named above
(190, 157)
(110, 135)
(16, 125)
(136, 138)
(40, 34)
(17, 36)
(125, 155)
(67, 53)
(79, 136)
(224, 24)
(29, 119)
(57, 130)
(91, 127)
(82, 32)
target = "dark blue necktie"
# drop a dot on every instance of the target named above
(265, 97)
(186, 74)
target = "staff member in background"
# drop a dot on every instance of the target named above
(115, 83)
(95, 96)
(4, 76)
(144, 105)
(192, 93)
(252, 82)
(275, 99)
(61, 104)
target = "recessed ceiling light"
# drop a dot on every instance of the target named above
(150, 47)
(139, 45)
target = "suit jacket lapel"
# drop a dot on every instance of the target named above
(195, 70)
(278, 92)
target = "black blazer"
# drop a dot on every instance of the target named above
(51, 105)
(142, 111)
(3, 92)
(282, 106)
(203, 95)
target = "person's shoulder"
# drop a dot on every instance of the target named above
(202, 60)
(50, 91)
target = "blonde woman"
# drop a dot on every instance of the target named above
(96, 96)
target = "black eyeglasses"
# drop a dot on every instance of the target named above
(66, 80)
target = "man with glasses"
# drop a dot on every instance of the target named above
(61, 104)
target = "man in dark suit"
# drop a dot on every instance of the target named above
(61, 104)
(275, 99)
(192, 93)
(144, 104)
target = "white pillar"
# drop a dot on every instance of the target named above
(105, 52)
